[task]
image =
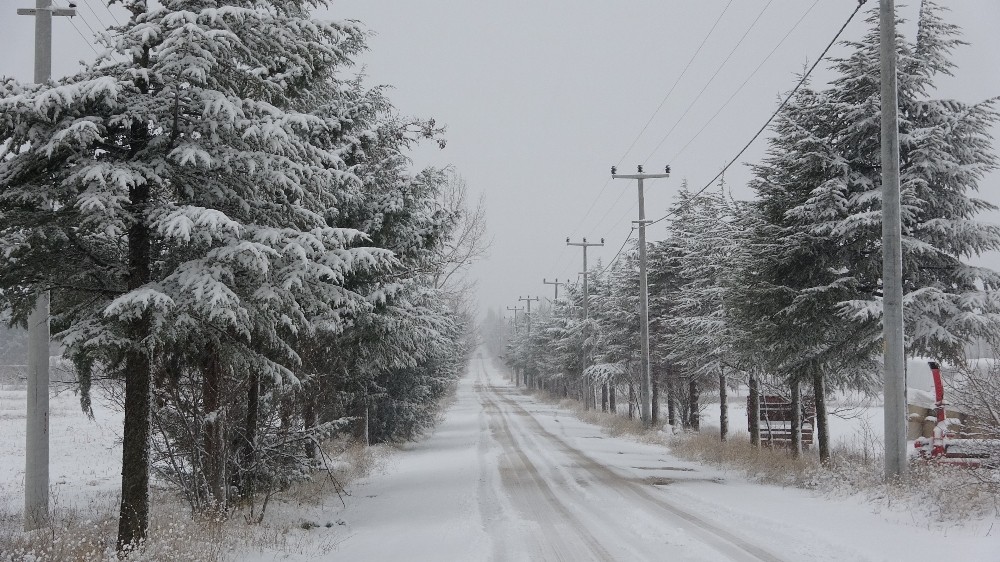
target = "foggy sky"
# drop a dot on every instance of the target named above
(542, 98)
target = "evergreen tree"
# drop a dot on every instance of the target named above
(191, 205)
(700, 342)
(945, 151)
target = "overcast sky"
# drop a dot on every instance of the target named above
(541, 98)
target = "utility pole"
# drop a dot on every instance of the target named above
(556, 283)
(586, 307)
(36, 457)
(528, 300)
(517, 380)
(586, 293)
(645, 389)
(894, 383)
(526, 375)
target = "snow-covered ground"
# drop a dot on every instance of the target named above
(506, 477)
(84, 454)
(855, 421)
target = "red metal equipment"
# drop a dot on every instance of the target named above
(943, 446)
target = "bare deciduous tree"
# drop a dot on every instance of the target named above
(468, 243)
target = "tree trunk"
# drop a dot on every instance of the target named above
(654, 411)
(611, 399)
(723, 406)
(604, 397)
(753, 410)
(694, 397)
(214, 462)
(361, 425)
(133, 518)
(309, 422)
(796, 423)
(248, 453)
(821, 428)
(631, 401)
(671, 397)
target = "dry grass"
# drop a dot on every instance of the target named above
(938, 494)
(88, 532)
(614, 425)
(764, 464)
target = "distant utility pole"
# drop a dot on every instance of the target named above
(645, 389)
(586, 293)
(517, 380)
(892, 256)
(556, 283)
(586, 304)
(527, 314)
(528, 300)
(36, 457)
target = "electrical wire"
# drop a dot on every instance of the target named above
(710, 80)
(619, 252)
(676, 82)
(94, 13)
(84, 37)
(776, 111)
(759, 132)
(745, 82)
(108, 10)
(655, 113)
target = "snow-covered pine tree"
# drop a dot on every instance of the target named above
(704, 231)
(615, 313)
(664, 283)
(795, 279)
(945, 151)
(183, 195)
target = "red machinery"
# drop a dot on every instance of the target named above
(943, 445)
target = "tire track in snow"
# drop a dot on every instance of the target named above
(490, 509)
(721, 539)
(526, 483)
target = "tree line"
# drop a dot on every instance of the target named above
(784, 291)
(234, 238)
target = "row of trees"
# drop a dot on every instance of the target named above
(230, 230)
(786, 289)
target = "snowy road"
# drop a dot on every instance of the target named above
(505, 477)
(585, 510)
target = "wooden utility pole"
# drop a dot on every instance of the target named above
(892, 256)
(556, 283)
(645, 390)
(36, 457)
(586, 309)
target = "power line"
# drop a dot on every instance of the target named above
(619, 252)
(745, 82)
(84, 37)
(710, 80)
(655, 112)
(108, 10)
(98, 18)
(776, 111)
(80, 33)
(609, 209)
(676, 82)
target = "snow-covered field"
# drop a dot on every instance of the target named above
(84, 454)
(506, 477)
